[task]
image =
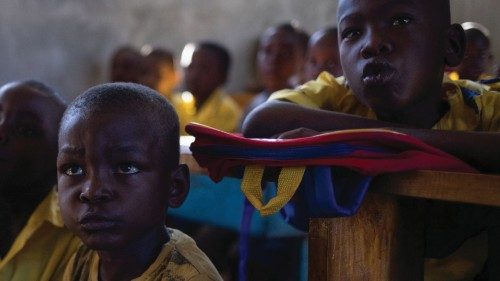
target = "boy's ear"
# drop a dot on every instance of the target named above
(179, 187)
(455, 45)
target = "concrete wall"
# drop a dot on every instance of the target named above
(68, 42)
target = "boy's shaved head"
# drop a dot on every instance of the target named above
(132, 99)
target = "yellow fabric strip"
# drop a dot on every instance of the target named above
(288, 181)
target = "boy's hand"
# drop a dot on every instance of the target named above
(297, 133)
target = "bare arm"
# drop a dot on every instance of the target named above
(480, 149)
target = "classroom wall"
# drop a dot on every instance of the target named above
(68, 42)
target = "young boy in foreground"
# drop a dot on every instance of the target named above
(393, 55)
(34, 244)
(118, 171)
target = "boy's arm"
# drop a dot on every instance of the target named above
(480, 149)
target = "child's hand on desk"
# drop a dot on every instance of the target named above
(297, 133)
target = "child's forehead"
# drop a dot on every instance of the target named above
(23, 97)
(277, 35)
(110, 126)
(352, 6)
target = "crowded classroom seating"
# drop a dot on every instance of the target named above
(105, 186)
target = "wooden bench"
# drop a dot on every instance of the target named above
(385, 239)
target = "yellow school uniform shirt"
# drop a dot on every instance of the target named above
(219, 111)
(42, 248)
(179, 259)
(478, 109)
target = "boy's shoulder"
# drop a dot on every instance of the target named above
(326, 92)
(183, 258)
(325, 86)
(179, 259)
(473, 106)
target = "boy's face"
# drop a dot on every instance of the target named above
(113, 183)
(203, 74)
(126, 67)
(277, 59)
(28, 136)
(475, 60)
(323, 55)
(392, 52)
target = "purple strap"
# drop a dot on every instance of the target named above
(246, 221)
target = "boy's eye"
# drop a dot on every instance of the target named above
(350, 33)
(401, 20)
(73, 170)
(127, 169)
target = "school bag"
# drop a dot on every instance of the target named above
(326, 175)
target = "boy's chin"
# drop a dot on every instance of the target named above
(104, 242)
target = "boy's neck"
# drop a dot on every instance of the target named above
(132, 261)
(423, 114)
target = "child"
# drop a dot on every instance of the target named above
(323, 54)
(118, 171)
(393, 55)
(206, 67)
(34, 244)
(126, 65)
(477, 52)
(159, 71)
(278, 60)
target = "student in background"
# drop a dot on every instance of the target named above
(206, 68)
(278, 60)
(393, 55)
(323, 54)
(476, 60)
(34, 244)
(159, 73)
(126, 65)
(118, 172)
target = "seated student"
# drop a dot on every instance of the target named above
(34, 244)
(474, 66)
(118, 171)
(323, 54)
(393, 55)
(159, 71)
(126, 65)
(278, 60)
(206, 68)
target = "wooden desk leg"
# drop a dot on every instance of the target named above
(383, 241)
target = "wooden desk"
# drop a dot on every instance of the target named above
(385, 239)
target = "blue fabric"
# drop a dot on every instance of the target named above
(304, 152)
(326, 192)
(204, 194)
(490, 81)
(469, 96)
(246, 221)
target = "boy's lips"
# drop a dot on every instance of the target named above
(95, 222)
(377, 74)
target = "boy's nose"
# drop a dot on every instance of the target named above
(95, 193)
(376, 44)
